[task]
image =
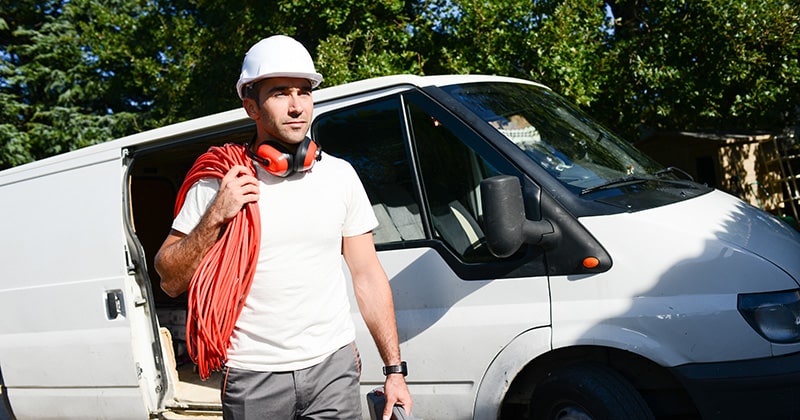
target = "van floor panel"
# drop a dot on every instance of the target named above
(192, 389)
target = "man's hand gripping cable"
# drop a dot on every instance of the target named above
(222, 281)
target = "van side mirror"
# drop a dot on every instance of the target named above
(504, 216)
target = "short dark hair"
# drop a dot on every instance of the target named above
(249, 90)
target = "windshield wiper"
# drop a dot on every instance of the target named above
(673, 169)
(631, 180)
(625, 180)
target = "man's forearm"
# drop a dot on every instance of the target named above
(377, 309)
(179, 257)
(374, 297)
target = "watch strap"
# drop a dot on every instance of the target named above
(401, 368)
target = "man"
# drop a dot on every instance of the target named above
(291, 354)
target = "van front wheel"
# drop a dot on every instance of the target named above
(587, 391)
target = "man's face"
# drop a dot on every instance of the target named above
(283, 109)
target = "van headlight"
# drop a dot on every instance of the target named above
(775, 315)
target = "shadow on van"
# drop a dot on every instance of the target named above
(662, 305)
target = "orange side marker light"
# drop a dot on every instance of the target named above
(591, 262)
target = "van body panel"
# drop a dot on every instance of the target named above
(718, 216)
(753, 230)
(91, 155)
(673, 298)
(75, 403)
(66, 292)
(52, 218)
(505, 367)
(452, 329)
(40, 363)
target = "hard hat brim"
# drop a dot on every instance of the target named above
(314, 78)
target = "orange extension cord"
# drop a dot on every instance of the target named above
(222, 281)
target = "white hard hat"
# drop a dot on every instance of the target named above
(277, 56)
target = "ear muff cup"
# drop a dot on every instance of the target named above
(279, 161)
(307, 153)
(274, 158)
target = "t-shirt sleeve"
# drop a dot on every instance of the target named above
(197, 200)
(360, 218)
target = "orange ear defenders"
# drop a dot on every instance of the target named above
(277, 160)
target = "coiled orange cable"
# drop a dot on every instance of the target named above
(222, 281)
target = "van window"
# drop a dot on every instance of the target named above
(590, 161)
(451, 174)
(406, 148)
(370, 137)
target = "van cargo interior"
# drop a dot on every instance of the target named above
(155, 175)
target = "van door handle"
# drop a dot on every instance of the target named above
(115, 305)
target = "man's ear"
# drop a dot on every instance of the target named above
(250, 107)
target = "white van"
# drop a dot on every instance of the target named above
(541, 267)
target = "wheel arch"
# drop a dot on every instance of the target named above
(510, 381)
(663, 393)
(512, 360)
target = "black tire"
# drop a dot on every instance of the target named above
(588, 391)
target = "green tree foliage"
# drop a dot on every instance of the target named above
(72, 75)
(647, 65)
(350, 39)
(355, 39)
(561, 44)
(78, 72)
(705, 64)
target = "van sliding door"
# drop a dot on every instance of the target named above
(75, 340)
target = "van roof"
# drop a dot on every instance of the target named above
(235, 117)
(367, 85)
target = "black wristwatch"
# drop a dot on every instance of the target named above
(401, 368)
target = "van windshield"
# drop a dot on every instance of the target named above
(588, 159)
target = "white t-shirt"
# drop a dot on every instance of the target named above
(297, 312)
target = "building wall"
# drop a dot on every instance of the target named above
(731, 163)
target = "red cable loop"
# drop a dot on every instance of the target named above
(222, 281)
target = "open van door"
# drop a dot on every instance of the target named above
(76, 336)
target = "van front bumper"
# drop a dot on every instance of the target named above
(745, 389)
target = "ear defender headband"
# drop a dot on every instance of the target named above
(278, 161)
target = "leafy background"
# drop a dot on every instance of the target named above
(79, 72)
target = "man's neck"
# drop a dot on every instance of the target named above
(258, 142)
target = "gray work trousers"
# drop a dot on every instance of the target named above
(328, 390)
